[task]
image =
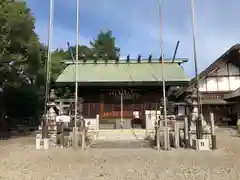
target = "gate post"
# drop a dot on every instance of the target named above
(214, 140)
(186, 133)
(176, 135)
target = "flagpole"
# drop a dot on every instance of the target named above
(76, 77)
(166, 143)
(48, 72)
(199, 119)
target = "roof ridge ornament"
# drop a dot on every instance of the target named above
(139, 58)
(94, 57)
(160, 59)
(128, 58)
(150, 58)
(117, 59)
(105, 58)
(83, 57)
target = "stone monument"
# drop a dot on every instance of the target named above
(51, 121)
(194, 115)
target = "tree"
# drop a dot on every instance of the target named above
(104, 46)
(21, 59)
(19, 47)
(57, 65)
(84, 52)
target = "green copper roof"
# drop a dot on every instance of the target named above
(123, 72)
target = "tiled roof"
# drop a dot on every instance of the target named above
(123, 72)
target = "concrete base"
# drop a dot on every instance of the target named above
(46, 143)
(38, 143)
(75, 142)
(166, 138)
(201, 144)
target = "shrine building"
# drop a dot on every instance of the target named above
(220, 87)
(115, 89)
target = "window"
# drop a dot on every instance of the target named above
(234, 83)
(202, 85)
(212, 84)
(223, 83)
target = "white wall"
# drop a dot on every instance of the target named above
(230, 82)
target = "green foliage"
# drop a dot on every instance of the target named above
(84, 52)
(23, 60)
(57, 65)
(104, 46)
(19, 43)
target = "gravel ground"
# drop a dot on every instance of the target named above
(20, 161)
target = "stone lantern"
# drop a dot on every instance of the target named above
(192, 104)
(195, 115)
(50, 129)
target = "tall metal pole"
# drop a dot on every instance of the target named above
(76, 77)
(166, 142)
(199, 119)
(48, 71)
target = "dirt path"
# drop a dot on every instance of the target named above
(20, 161)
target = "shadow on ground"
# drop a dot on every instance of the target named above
(31, 131)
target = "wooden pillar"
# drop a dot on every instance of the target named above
(101, 106)
(121, 94)
(214, 141)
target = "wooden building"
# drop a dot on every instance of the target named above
(218, 83)
(116, 89)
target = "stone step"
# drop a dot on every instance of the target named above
(120, 135)
(130, 144)
(116, 138)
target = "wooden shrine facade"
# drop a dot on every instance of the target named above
(117, 102)
(115, 89)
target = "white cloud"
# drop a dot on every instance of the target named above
(136, 26)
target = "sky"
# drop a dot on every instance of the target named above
(135, 24)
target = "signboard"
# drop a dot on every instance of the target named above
(125, 93)
(114, 114)
(212, 96)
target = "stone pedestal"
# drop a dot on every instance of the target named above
(150, 118)
(166, 138)
(46, 143)
(38, 141)
(97, 121)
(75, 137)
(201, 144)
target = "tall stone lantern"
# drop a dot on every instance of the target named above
(196, 119)
(191, 100)
(50, 128)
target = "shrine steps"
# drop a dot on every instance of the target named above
(118, 134)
